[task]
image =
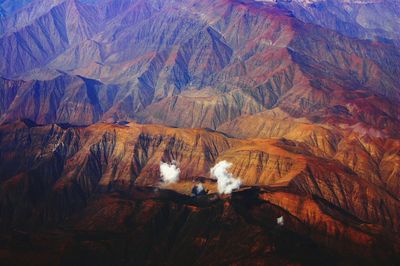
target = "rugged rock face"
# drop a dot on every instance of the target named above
(188, 65)
(361, 19)
(181, 230)
(94, 95)
(65, 99)
(55, 166)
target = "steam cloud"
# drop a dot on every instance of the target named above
(169, 172)
(280, 221)
(226, 181)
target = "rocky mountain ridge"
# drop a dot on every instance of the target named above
(197, 61)
(80, 161)
(300, 97)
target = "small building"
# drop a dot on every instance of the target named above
(199, 190)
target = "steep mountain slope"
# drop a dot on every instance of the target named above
(372, 19)
(66, 99)
(8, 7)
(368, 152)
(243, 58)
(302, 97)
(181, 230)
(36, 42)
(73, 163)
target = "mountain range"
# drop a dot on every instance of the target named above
(301, 97)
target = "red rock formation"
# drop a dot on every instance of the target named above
(244, 58)
(103, 157)
(308, 117)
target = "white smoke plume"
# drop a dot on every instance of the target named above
(280, 221)
(226, 181)
(169, 172)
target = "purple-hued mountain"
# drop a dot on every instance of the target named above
(149, 60)
(298, 100)
(365, 19)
